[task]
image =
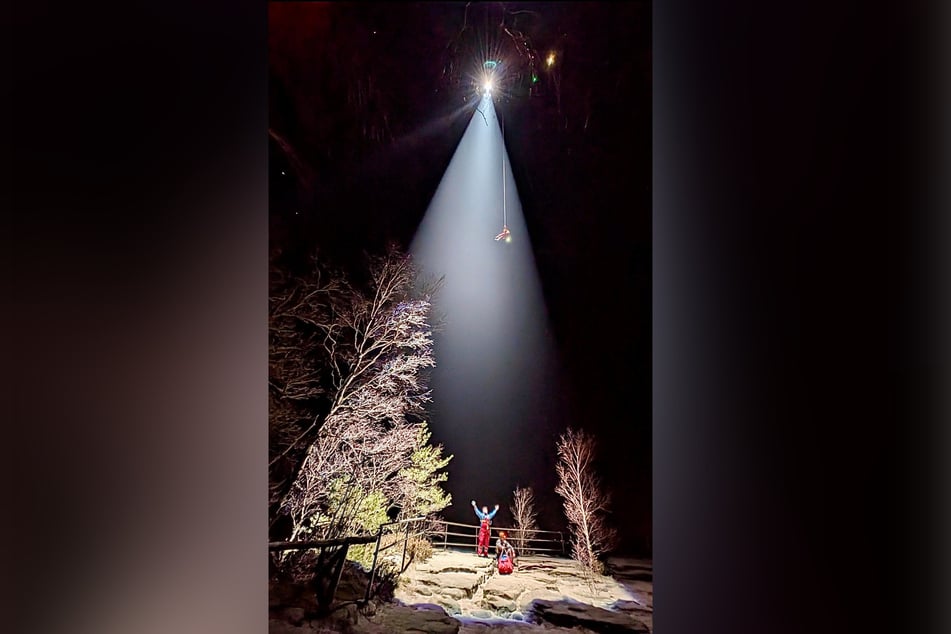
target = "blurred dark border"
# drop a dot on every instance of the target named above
(800, 297)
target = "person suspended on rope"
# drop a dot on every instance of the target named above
(506, 234)
(485, 522)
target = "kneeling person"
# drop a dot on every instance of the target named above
(505, 550)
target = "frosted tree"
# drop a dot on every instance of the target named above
(585, 501)
(348, 380)
(525, 517)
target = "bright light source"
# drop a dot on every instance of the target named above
(487, 86)
(550, 60)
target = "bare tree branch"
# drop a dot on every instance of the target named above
(585, 501)
(354, 363)
(523, 511)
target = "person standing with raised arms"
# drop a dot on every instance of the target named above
(485, 522)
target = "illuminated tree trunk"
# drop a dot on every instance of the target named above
(585, 502)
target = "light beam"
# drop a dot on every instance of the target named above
(492, 384)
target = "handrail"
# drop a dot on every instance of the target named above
(530, 537)
(500, 528)
(322, 543)
(376, 553)
(534, 541)
(329, 566)
(334, 577)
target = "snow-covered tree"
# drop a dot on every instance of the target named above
(585, 501)
(348, 378)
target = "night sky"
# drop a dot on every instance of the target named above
(365, 107)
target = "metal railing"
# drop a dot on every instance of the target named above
(376, 553)
(331, 557)
(332, 554)
(533, 541)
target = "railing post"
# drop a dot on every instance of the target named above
(405, 544)
(379, 535)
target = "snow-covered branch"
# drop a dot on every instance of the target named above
(585, 501)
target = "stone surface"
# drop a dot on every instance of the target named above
(294, 616)
(629, 569)
(423, 618)
(508, 602)
(279, 626)
(459, 592)
(573, 614)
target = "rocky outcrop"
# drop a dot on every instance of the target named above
(543, 592)
(422, 618)
(571, 614)
(460, 593)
